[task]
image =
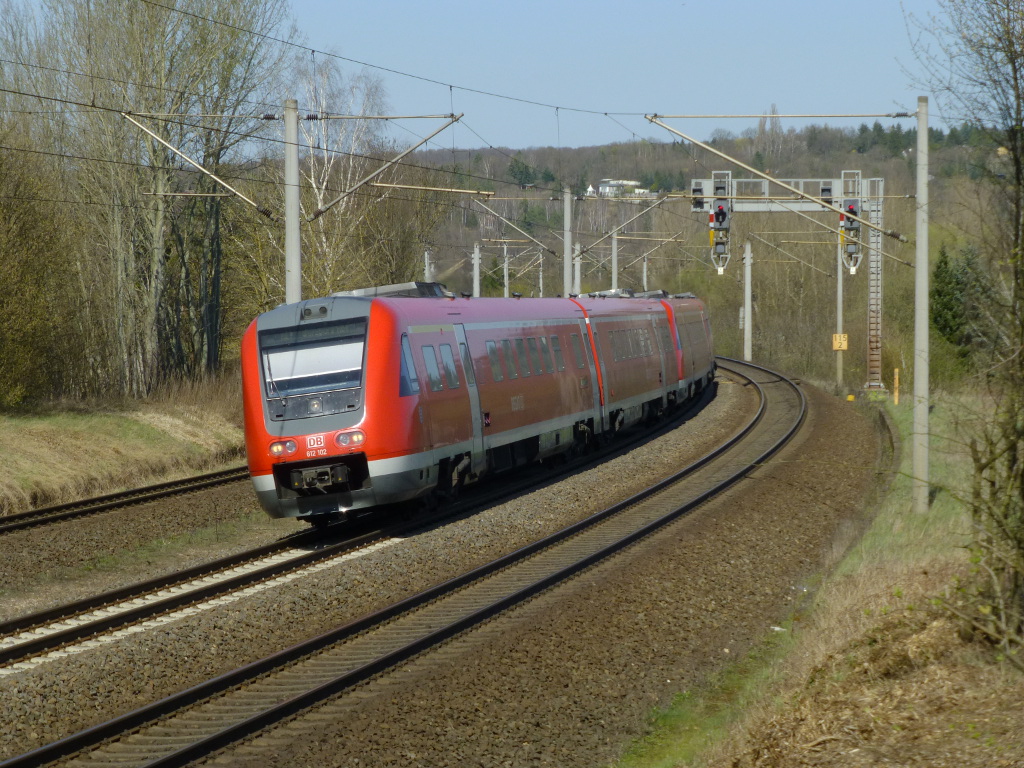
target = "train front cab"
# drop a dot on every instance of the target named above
(305, 390)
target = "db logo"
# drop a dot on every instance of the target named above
(315, 441)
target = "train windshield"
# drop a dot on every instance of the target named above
(321, 357)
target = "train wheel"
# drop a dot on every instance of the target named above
(452, 477)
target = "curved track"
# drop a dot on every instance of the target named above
(76, 509)
(30, 640)
(232, 706)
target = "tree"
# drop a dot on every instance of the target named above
(949, 298)
(39, 340)
(149, 265)
(974, 57)
(521, 173)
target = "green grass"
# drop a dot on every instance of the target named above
(700, 718)
(898, 534)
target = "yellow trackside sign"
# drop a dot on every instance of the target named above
(839, 342)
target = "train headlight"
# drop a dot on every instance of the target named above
(349, 439)
(283, 448)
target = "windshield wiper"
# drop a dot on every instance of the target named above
(270, 379)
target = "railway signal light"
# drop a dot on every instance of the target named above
(720, 218)
(851, 207)
(851, 234)
(697, 194)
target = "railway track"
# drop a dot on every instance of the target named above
(77, 509)
(31, 640)
(207, 717)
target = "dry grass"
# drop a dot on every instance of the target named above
(878, 675)
(67, 452)
(873, 673)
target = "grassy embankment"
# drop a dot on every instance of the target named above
(884, 583)
(60, 453)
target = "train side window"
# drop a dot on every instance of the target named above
(545, 352)
(664, 339)
(531, 344)
(492, 354)
(433, 372)
(510, 359)
(467, 364)
(556, 347)
(409, 382)
(620, 344)
(448, 361)
(524, 365)
(577, 350)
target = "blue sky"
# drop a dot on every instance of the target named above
(739, 57)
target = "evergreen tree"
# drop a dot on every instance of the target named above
(949, 299)
(521, 173)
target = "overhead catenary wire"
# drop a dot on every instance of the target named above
(451, 86)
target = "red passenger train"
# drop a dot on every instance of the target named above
(357, 401)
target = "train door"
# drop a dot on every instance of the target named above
(659, 330)
(597, 373)
(478, 457)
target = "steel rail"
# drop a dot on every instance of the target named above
(356, 536)
(45, 515)
(523, 559)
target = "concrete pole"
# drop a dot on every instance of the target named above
(504, 248)
(428, 271)
(577, 269)
(292, 234)
(476, 270)
(615, 260)
(748, 300)
(921, 351)
(566, 241)
(839, 311)
(540, 275)
(645, 273)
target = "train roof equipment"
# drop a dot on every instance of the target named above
(411, 290)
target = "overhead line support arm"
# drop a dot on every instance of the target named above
(321, 211)
(517, 229)
(199, 167)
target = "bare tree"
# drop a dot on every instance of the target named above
(342, 150)
(152, 264)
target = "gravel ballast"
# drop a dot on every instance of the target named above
(570, 681)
